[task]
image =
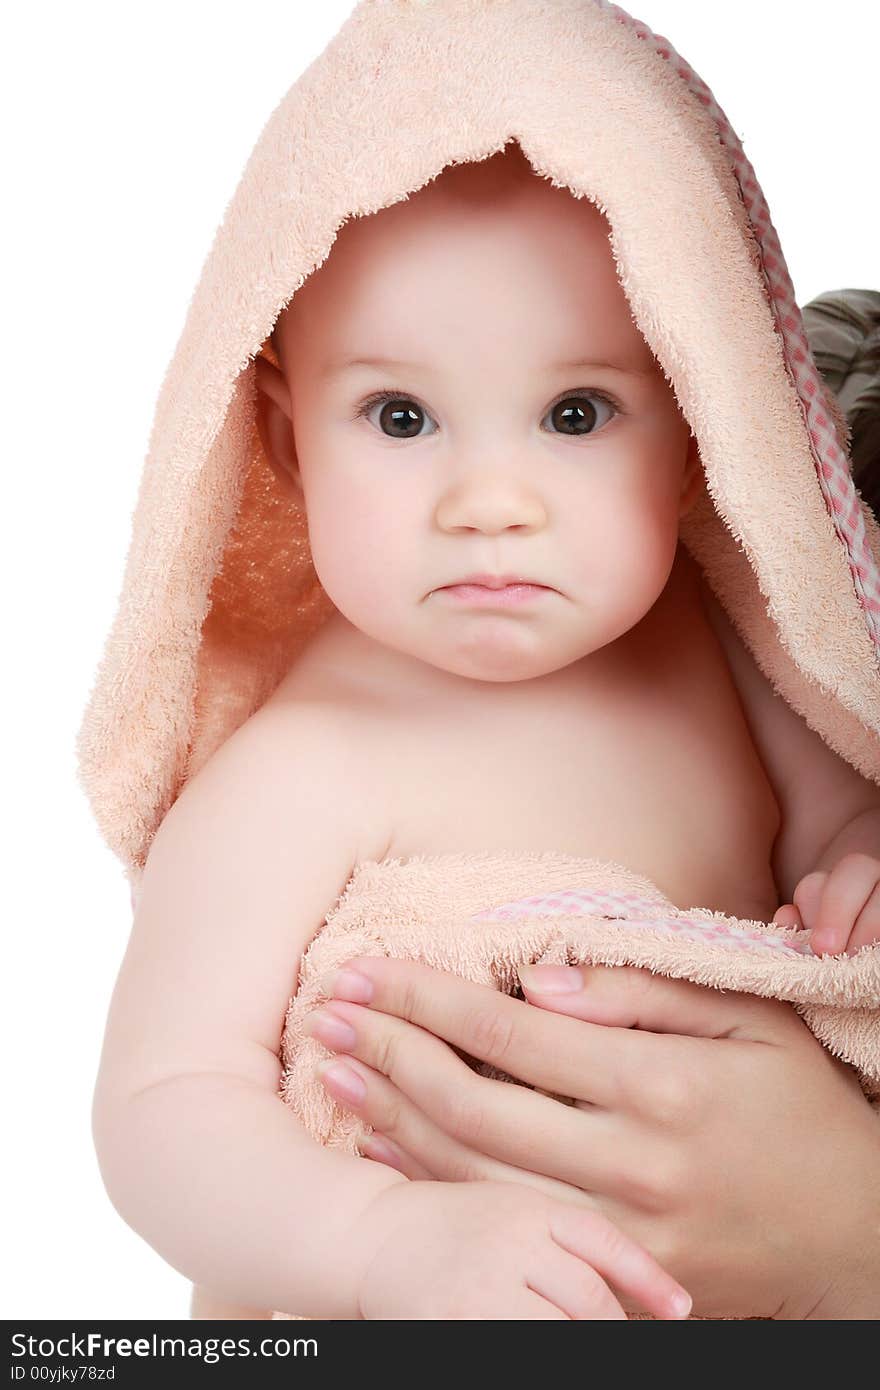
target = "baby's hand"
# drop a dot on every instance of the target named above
(499, 1251)
(841, 908)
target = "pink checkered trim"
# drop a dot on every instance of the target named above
(832, 466)
(643, 912)
(568, 902)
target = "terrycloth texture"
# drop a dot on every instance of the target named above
(220, 594)
(481, 915)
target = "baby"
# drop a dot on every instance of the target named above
(493, 467)
(505, 579)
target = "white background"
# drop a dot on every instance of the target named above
(126, 128)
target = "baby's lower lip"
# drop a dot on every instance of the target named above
(483, 597)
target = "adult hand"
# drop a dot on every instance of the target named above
(710, 1127)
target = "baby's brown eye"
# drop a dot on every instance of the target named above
(399, 417)
(577, 415)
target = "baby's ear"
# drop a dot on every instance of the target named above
(692, 478)
(275, 424)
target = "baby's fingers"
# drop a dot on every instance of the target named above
(788, 916)
(620, 1260)
(808, 896)
(867, 928)
(843, 894)
(574, 1287)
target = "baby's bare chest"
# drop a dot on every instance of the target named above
(657, 772)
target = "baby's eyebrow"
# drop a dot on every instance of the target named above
(626, 368)
(339, 365)
(345, 364)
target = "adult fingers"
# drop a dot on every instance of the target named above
(381, 1149)
(565, 1056)
(403, 1137)
(507, 1122)
(406, 1139)
(626, 997)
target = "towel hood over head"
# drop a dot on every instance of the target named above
(220, 593)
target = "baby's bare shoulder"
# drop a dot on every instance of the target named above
(340, 741)
(241, 874)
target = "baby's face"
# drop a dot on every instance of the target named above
(527, 431)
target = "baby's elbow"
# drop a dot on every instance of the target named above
(107, 1125)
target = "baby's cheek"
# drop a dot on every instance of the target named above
(349, 537)
(365, 557)
(622, 572)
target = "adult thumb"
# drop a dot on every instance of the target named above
(625, 996)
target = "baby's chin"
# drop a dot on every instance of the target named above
(497, 652)
(496, 648)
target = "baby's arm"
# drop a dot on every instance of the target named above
(197, 1151)
(826, 857)
(200, 1154)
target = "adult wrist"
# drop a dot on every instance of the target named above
(854, 1299)
(852, 1280)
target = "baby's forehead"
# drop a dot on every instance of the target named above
(470, 205)
(481, 239)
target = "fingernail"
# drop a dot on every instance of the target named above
(329, 1029)
(682, 1303)
(823, 944)
(377, 1148)
(550, 979)
(348, 984)
(351, 985)
(342, 1079)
